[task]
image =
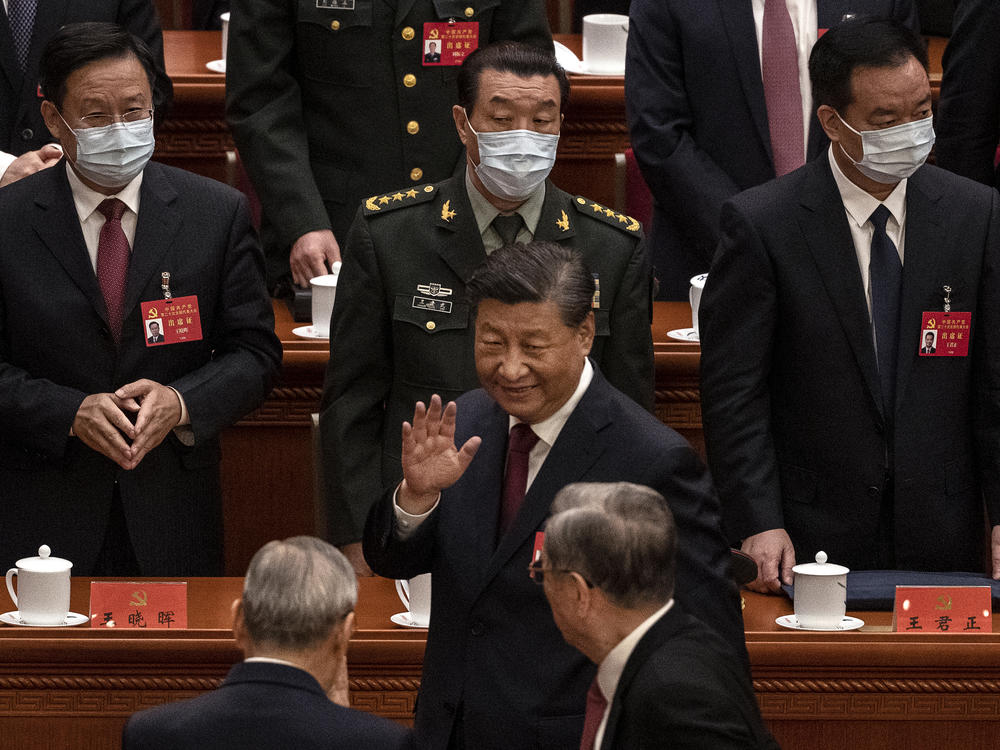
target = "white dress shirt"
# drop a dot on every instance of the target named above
(804, 24)
(609, 673)
(547, 430)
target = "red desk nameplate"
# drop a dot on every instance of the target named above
(128, 604)
(943, 609)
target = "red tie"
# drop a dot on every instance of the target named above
(596, 705)
(515, 478)
(782, 95)
(113, 255)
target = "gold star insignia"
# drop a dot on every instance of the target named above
(411, 193)
(384, 200)
(597, 207)
(371, 205)
(622, 218)
(633, 226)
(609, 213)
(446, 213)
(397, 197)
(563, 223)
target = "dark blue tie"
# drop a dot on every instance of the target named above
(886, 272)
(21, 14)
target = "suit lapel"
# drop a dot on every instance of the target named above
(828, 237)
(737, 20)
(58, 226)
(557, 222)
(8, 58)
(490, 461)
(922, 251)
(403, 7)
(49, 17)
(575, 451)
(462, 245)
(661, 631)
(154, 234)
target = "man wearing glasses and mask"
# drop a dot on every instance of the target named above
(109, 445)
(401, 329)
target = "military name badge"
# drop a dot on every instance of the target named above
(171, 321)
(449, 43)
(335, 4)
(945, 334)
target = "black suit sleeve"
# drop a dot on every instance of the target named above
(737, 320)
(968, 117)
(987, 368)
(390, 556)
(661, 123)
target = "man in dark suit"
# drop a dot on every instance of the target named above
(155, 337)
(109, 449)
(497, 673)
(22, 131)
(432, 55)
(664, 679)
(330, 103)
(968, 118)
(698, 115)
(293, 624)
(400, 310)
(825, 428)
(928, 347)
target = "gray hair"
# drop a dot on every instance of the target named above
(538, 271)
(619, 536)
(295, 591)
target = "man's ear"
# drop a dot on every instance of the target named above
(240, 634)
(830, 121)
(586, 333)
(52, 120)
(461, 124)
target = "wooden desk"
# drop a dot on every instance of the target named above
(865, 690)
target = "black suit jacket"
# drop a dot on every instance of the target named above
(21, 125)
(388, 351)
(55, 349)
(697, 120)
(266, 707)
(494, 655)
(968, 116)
(683, 688)
(794, 424)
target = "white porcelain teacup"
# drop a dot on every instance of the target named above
(324, 294)
(604, 37)
(694, 297)
(416, 597)
(42, 596)
(820, 593)
(224, 18)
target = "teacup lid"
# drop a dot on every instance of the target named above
(43, 563)
(820, 568)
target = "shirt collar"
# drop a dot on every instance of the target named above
(270, 660)
(485, 212)
(861, 204)
(609, 673)
(87, 199)
(548, 429)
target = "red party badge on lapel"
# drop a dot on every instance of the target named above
(945, 334)
(171, 321)
(449, 43)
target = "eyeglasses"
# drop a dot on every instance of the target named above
(100, 121)
(537, 573)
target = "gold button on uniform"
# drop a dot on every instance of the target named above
(430, 325)
(416, 173)
(469, 12)
(409, 80)
(413, 127)
(334, 25)
(408, 33)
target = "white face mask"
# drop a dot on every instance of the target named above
(513, 163)
(113, 155)
(893, 154)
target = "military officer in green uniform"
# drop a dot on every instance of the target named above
(331, 101)
(401, 329)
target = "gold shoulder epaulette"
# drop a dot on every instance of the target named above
(607, 215)
(378, 204)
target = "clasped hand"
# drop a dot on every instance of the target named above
(431, 461)
(102, 424)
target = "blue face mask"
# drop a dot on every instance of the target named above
(113, 155)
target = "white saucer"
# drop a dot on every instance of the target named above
(403, 618)
(848, 623)
(72, 618)
(684, 334)
(216, 66)
(308, 332)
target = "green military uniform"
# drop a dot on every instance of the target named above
(402, 331)
(330, 101)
